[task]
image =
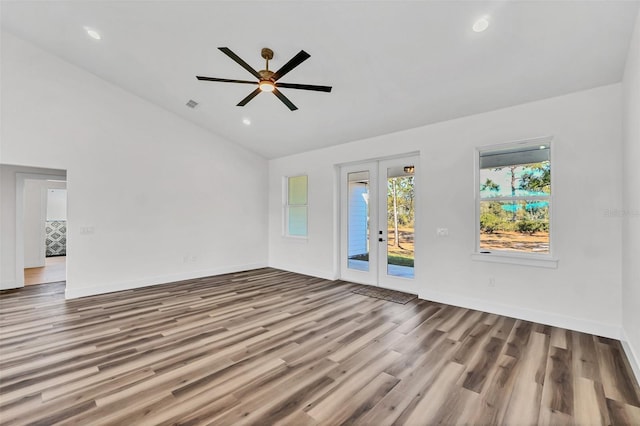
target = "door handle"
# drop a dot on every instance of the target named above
(381, 239)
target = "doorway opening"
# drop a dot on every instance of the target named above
(41, 226)
(45, 230)
(378, 217)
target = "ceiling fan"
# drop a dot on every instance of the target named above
(267, 79)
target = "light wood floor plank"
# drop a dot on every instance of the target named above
(273, 347)
(55, 270)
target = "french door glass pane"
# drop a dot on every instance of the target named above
(358, 220)
(400, 221)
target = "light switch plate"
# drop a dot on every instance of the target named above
(87, 230)
(442, 232)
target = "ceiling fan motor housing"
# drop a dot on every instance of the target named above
(265, 74)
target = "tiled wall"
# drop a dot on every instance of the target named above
(56, 231)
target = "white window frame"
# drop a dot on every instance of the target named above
(286, 206)
(544, 260)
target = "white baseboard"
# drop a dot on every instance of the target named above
(306, 271)
(632, 355)
(8, 285)
(612, 331)
(73, 293)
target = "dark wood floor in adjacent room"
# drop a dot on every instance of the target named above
(271, 347)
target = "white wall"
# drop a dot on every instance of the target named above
(34, 223)
(583, 293)
(157, 198)
(56, 203)
(630, 216)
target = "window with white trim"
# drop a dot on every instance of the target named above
(296, 206)
(513, 215)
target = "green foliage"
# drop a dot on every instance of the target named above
(490, 223)
(490, 185)
(493, 218)
(527, 226)
(537, 178)
(393, 259)
(405, 197)
(520, 218)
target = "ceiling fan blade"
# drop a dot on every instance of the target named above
(284, 100)
(305, 87)
(225, 80)
(248, 98)
(242, 63)
(293, 62)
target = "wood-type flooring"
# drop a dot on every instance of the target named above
(55, 270)
(271, 347)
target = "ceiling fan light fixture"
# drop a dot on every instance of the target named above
(267, 86)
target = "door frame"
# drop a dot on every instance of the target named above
(373, 276)
(20, 179)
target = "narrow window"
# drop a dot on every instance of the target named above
(514, 211)
(296, 206)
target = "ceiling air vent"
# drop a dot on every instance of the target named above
(192, 103)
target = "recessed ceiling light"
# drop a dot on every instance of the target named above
(92, 33)
(543, 146)
(481, 24)
(246, 121)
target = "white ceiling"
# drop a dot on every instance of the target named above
(393, 65)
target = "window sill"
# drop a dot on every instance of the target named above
(514, 259)
(295, 239)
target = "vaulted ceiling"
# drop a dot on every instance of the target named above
(393, 65)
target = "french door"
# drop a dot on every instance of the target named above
(378, 223)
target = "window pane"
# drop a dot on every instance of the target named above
(298, 221)
(358, 221)
(524, 180)
(520, 226)
(297, 190)
(400, 222)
